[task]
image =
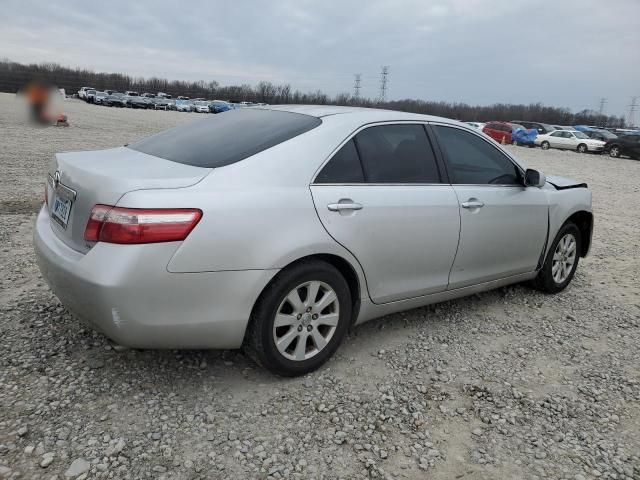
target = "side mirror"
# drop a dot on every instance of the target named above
(534, 178)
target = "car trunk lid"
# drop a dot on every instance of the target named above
(103, 177)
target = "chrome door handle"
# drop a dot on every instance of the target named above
(472, 204)
(339, 207)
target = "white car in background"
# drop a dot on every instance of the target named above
(569, 140)
(82, 93)
(201, 107)
(476, 125)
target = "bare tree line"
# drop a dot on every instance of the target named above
(14, 76)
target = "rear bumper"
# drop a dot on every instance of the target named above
(126, 292)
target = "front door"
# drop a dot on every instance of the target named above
(381, 197)
(503, 224)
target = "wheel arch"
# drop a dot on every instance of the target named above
(344, 266)
(584, 221)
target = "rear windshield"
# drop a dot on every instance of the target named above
(226, 138)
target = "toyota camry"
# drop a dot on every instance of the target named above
(276, 229)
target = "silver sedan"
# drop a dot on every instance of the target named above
(276, 229)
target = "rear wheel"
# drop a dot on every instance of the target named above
(561, 262)
(582, 148)
(615, 151)
(545, 145)
(300, 319)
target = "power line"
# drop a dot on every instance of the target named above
(384, 80)
(632, 111)
(356, 85)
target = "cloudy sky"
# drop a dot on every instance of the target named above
(563, 53)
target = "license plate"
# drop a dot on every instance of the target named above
(61, 210)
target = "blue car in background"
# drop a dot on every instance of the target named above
(523, 136)
(218, 106)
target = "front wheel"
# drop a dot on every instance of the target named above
(614, 151)
(545, 145)
(561, 262)
(300, 319)
(582, 148)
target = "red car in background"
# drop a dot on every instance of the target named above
(501, 131)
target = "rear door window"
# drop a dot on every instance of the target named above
(344, 167)
(385, 154)
(397, 154)
(223, 139)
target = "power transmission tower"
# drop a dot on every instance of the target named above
(632, 111)
(356, 85)
(384, 80)
(603, 103)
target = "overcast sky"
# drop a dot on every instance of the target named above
(563, 53)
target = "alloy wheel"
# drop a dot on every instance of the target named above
(614, 152)
(563, 258)
(306, 320)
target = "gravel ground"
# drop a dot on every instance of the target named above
(506, 384)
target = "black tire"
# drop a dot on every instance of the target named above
(259, 341)
(545, 281)
(582, 148)
(614, 151)
(545, 145)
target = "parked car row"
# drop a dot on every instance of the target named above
(159, 101)
(581, 138)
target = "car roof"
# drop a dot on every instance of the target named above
(359, 113)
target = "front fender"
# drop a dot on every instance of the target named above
(562, 205)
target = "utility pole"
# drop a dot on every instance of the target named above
(384, 79)
(356, 85)
(632, 111)
(603, 103)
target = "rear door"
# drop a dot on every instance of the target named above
(382, 197)
(634, 146)
(556, 139)
(503, 224)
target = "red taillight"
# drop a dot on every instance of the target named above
(140, 225)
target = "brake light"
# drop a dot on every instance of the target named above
(140, 225)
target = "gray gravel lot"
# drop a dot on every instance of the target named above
(507, 384)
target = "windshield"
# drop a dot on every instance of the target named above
(202, 104)
(515, 126)
(580, 135)
(101, 94)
